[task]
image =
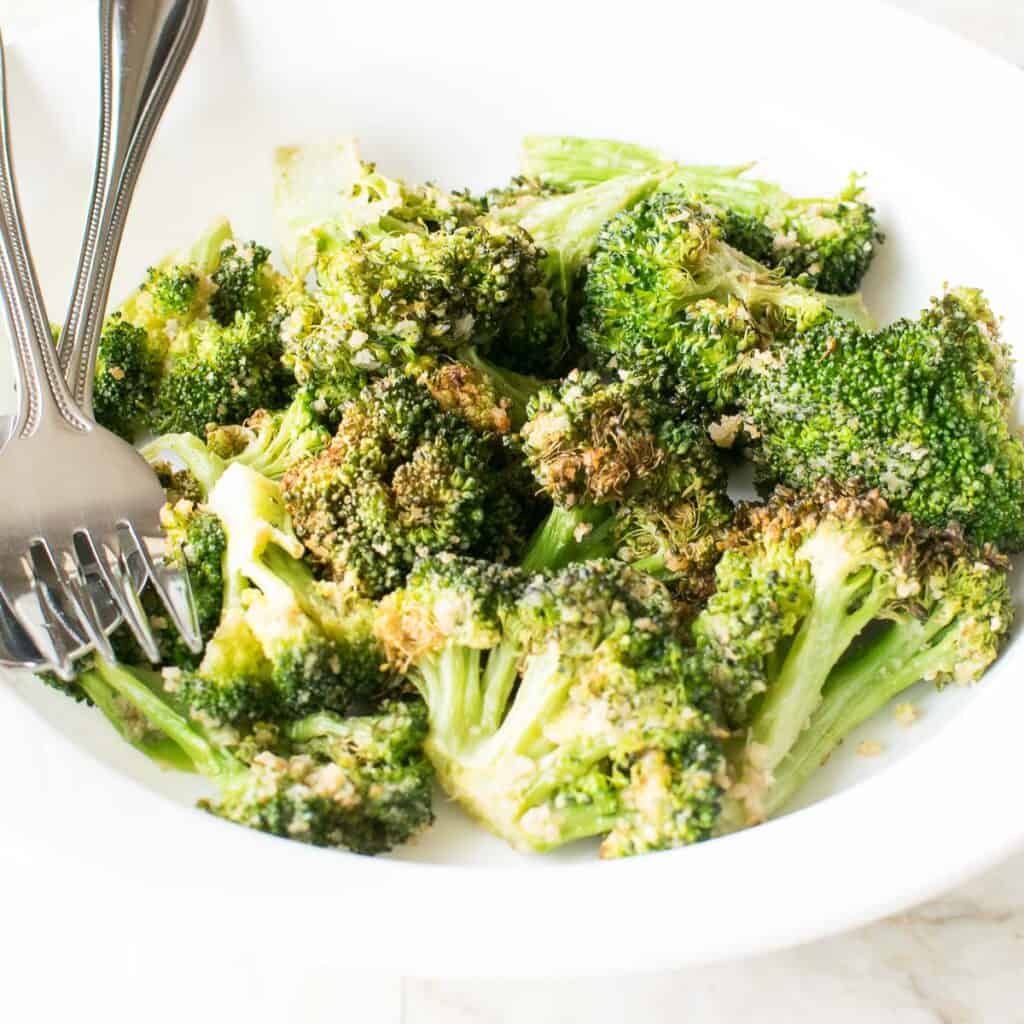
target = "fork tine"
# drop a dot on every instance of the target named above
(119, 587)
(77, 611)
(83, 600)
(15, 637)
(171, 586)
(52, 590)
(55, 622)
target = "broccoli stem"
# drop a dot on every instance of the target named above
(908, 651)
(155, 745)
(566, 536)
(499, 679)
(840, 610)
(208, 760)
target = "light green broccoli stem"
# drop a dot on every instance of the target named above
(566, 536)
(858, 688)
(155, 745)
(207, 759)
(203, 464)
(756, 286)
(838, 613)
(500, 677)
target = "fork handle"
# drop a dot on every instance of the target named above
(144, 45)
(42, 392)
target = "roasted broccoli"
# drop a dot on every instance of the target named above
(557, 705)
(629, 476)
(826, 243)
(827, 604)
(669, 301)
(416, 273)
(285, 644)
(127, 377)
(358, 783)
(199, 342)
(407, 474)
(919, 410)
(268, 442)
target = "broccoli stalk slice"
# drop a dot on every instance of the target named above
(203, 464)
(842, 605)
(909, 651)
(570, 535)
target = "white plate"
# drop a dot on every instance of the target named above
(434, 90)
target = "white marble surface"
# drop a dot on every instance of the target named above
(956, 960)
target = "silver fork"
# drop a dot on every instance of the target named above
(79, 528)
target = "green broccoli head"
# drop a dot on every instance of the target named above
(173, 290)
(198, 342)
(402, 477)
(558, 708)
(392, 299)
(668, 300)
(919, 410)
(826, 243)
(215, 374)
(285, 644)
(805, 642)
(629, 475)
(361, 784)
(127, 377)
(244, 283)
(801, 577)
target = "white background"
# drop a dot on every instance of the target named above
(957, 960)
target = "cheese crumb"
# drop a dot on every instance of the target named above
(906, 714)
(869, 748)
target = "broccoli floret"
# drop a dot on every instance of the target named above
(177, 290)
(801, 577)
(174, 290)
(285, 643)
(827, 605)
(403, 477)
(667, 299)
(127, 377)
(557, 705)
(244, 283)
(629, 476)
(826, 243)
(268, 442)
(949, 631)
(215, 374)
(919, 410)
(358, 783)
(199, 342)
(408, 273)
(271, 442)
